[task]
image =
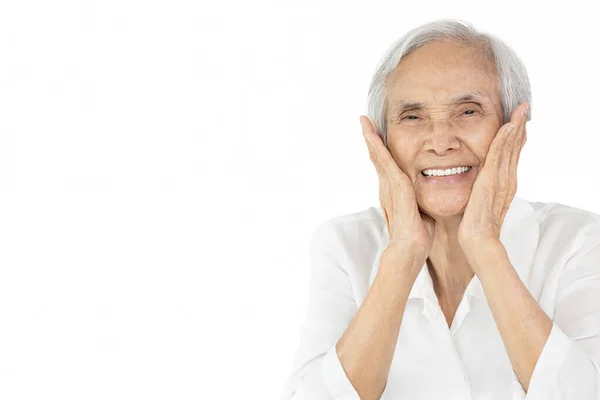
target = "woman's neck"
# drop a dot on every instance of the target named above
(448, 266)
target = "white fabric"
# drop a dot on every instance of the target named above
(554, 248)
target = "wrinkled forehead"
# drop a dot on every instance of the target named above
(446, 99)
(442, 83)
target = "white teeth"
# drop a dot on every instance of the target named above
(445, 172)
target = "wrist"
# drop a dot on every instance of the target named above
(404, 256)
(481, 252)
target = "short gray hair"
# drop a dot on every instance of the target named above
(513, 82)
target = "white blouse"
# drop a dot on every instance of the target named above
(554, 248)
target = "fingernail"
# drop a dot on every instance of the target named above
(525, 109)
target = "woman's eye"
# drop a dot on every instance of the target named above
(412, 119)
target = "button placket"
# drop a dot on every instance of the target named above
(434, 312)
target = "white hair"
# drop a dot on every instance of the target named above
(512, 80)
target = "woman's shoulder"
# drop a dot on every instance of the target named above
(354, 228)
(569, 219)
(565, 230)
(353, 239)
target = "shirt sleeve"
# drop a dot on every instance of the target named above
(569, 365)
(317, 373)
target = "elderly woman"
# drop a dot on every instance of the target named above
(454, 288)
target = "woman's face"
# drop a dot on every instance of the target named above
(442, 131)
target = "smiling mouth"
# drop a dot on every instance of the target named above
(428, 173)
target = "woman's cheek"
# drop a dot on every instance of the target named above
(479, 140)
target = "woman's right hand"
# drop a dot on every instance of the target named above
(408, 228)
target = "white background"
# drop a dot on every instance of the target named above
(164, 163)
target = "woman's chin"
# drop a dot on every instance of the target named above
(444, 207)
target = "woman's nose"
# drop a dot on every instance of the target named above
(441, 140)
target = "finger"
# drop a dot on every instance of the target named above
(520, 138)
(518, 119)
(372, 153)
(504, 183)
(516, 116)
(512, 147)
(522, 134)
(508, 169)
(522, 112)
(377, 150)
(510, 159)
(505, 137)
(498, 147)
(516, 143)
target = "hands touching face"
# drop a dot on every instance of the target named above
(496, 183)
(492, 192)
(410, 231)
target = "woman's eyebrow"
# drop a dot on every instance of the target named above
(403, 105)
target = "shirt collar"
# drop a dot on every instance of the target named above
(519, 235)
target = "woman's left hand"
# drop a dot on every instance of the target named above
(495, 185)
